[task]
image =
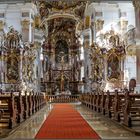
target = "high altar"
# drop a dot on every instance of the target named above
(63, 71)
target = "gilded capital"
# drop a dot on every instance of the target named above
(37, 21)
(1, 25)
(136, 3)
(87, 22)
(123, 24)
(25, 23)
(99, 24)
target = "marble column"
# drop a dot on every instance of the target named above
(87, 63)
(26, 25)
(21, 64)
(123, 30)
(136, 4)
(2, 52)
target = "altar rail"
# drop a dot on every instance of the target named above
(62, 98)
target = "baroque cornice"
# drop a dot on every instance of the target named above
(57, 15)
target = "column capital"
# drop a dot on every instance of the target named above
(87, 22)
(136, 3)
(123, 24)
(1, 25)
(25, 23)
(99, 24)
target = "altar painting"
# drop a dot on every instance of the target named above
(113, 69)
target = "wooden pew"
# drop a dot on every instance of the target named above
(98, 102)
(36, 102)
(42, 100)
(94, 101)
(33, 102)
(88, 100)
(131, 110)
(109, 104)
(122, 107)
(14, 107)
(118, 105)
(20, 108)
(9, 110)
(91, 101)
(82, 99)
(29, 98)
(26, 106)
(102, 105)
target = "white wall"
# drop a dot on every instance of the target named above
(130, 68)
(111, 12)
(13, 14)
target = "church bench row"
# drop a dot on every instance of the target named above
(15, 108)
(123, 107)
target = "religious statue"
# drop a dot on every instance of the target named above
(62, 59)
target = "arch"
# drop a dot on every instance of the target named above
(57, 15)
(64, 15)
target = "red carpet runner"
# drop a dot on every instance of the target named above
(66, 123)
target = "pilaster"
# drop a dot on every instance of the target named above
(136, 4)
(87, 64)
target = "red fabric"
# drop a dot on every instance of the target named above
(65, 122)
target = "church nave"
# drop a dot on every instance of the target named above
(70, 69)
(105, 128)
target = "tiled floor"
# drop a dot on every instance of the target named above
(106, 128)
(103, 126)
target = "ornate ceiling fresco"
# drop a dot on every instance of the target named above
(61, 24)
(61, 19)
(60, 28)
(73, 7)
